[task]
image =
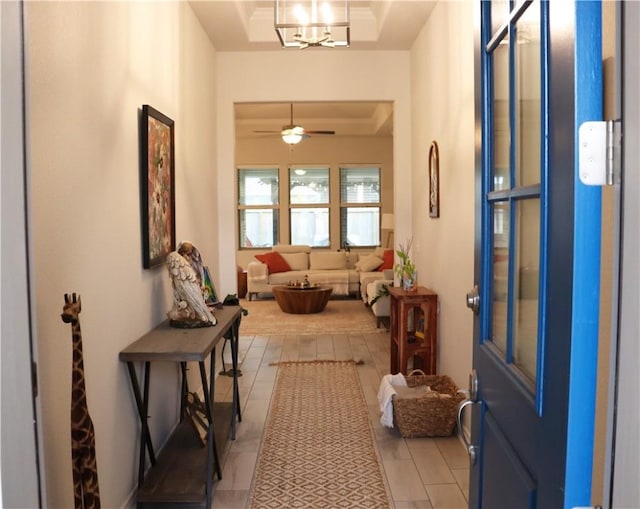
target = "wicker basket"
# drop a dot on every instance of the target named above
(427, 416)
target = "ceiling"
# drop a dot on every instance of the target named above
(247, 25)
(345, 118)
(378, 25)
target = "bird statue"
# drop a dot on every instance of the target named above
(190, 253)
(189, 308)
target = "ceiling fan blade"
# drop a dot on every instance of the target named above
(319, 132)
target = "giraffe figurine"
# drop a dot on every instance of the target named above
(86, 492)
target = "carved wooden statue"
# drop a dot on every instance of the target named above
(189, 308)
(86, 492)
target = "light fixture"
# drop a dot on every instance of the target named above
(300, 171)
(305, 23)
(292, 135)
(387, 224)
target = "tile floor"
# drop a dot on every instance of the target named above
(425, 473)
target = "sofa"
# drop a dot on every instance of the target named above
(379, 301)
(345, 272)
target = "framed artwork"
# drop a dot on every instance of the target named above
(434, 180)
(157, 186)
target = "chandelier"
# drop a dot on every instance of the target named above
(305, 23)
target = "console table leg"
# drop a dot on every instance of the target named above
(235, 333)
(142, 402)
(207, 390)
(184, 389)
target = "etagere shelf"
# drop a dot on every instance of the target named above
(413, 329)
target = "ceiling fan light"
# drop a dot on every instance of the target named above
(291, 137)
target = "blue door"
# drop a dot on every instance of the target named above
(537, 256)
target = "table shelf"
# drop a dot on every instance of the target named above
(179, 474)
(413, 329)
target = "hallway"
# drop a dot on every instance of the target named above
(420, 473)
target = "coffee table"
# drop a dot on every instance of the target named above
(301, 301)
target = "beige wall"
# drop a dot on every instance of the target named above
(442, 99)
(330, 151)
(91, 67)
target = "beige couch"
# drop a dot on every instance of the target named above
(379, 300)
(341, 270)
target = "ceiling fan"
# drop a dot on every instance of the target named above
(293, 134)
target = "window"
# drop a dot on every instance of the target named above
(258, 202)
(360, 206)
(309, 206)
(310, 203)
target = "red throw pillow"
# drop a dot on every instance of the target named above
(274, 261)
(387, 260)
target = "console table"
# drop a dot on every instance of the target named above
(183, 471)
(413, 329)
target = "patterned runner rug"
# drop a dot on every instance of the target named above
(318, 449)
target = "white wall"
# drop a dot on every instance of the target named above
(442, 105)
(92, 65)
(308, 76)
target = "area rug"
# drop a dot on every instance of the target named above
(318, 447)
(341, 316)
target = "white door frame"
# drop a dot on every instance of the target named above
(623, 489)
(19, 464)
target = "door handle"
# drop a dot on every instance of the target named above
(473, 300)
(472, 450)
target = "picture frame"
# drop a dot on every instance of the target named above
(434, 180)
(157, 186)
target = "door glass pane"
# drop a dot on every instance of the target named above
(499, 14)
(501, 132)
(525, 339)
(527, 98)
(500, 273)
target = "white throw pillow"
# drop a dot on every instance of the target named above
(336, 260)
(379, 252)
(297, 261)
(291, 248)
(369, 263)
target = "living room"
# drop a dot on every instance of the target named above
(93, 66)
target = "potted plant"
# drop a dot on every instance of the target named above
(405, 269)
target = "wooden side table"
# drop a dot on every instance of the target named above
(242, 283)
(413, 329)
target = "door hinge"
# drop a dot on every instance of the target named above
(599, 161)
(34, 379)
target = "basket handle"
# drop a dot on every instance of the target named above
(418, 371)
